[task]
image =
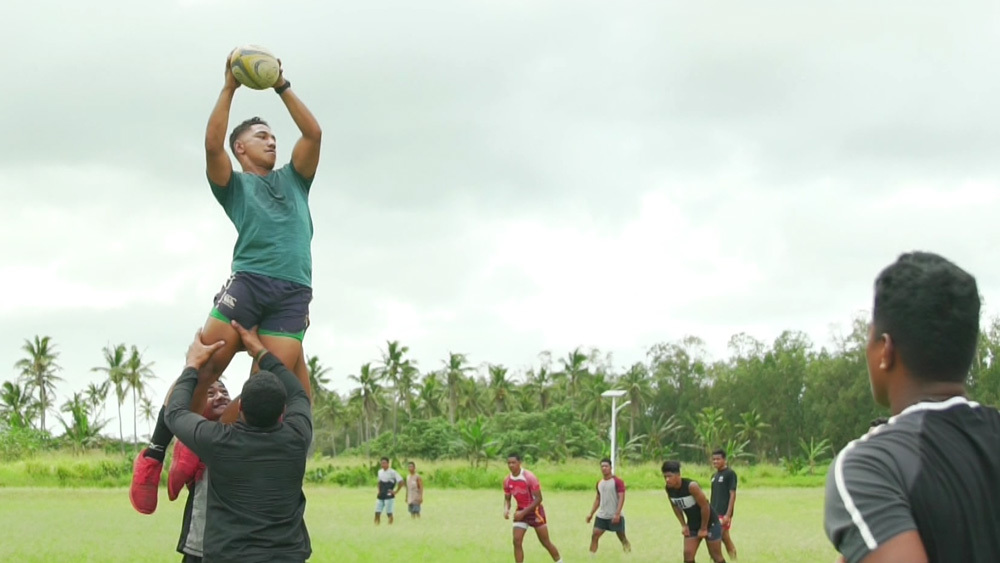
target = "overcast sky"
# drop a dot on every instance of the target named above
(498, 178)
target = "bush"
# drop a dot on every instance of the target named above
(21, 443)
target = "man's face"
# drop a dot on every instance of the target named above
(718, 462)
(673, 480)
(258, 145)
(514, 465)
(412, 468)
(218, 400)
(385, 464)
(606, 469)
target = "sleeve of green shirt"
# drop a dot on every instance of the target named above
(298, 411)
(196, 431)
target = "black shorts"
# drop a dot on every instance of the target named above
(714, 531)
(276, 307)
(606, 524)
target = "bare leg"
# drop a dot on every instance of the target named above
(626, 545)
(594, 538)
(289, 351)
(543, 537)
(730, 546)
(378, 518)
(691, 548)
(519, 545)
(715, 550)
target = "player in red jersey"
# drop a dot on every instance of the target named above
(527, 492)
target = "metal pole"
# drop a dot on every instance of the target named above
(614, 417)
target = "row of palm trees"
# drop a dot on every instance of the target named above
(394, 386)
(29, 398)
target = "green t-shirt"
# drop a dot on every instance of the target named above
(271, 216)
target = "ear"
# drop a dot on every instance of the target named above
(887, 355)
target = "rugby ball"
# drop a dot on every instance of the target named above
(254, 67)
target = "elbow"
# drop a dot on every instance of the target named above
(315, 133)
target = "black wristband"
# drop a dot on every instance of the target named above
(281, 89)
(260, 355)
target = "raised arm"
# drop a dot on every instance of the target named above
(305, 155)
(194, 430)
(219, 167)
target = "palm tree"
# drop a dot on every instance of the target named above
(750, 428)
(317, 376)
(16, 405)
(574, 369)
(137, 373)
(500, 387)
(455, 369)
(148, 412)
(83, 432)
(636, 384)
(328, 412)
(38, 370)
(429, 393)
(116, 371)
(97, 395)
(540, 383)
(592, 406)
(395, 371)
(368, 394)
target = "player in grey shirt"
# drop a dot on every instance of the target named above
(608, 505)
(922, 487)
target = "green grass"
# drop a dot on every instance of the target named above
(79, 524)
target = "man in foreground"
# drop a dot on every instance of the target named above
(256, 465)
(524, 487)
(608, 505)
(923, 486)
(271, 282)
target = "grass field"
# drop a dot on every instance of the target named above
(99, 525)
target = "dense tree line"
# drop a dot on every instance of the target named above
(767, 401)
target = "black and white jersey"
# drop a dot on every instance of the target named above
(684, 500)
(933, 468)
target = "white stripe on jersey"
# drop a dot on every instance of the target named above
(845, 497)
(683, 502)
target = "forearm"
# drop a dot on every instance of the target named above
(706, 511)
(680, 517)
(301, 115)
(181, 394)
(621, 505)
(593, 509)
(218, 121)
(732, 504)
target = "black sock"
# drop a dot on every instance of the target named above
(161, 439)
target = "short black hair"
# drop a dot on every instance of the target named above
(671, 467)
(239, 129)
(606, 460)
(720, 452)
(263, 399)
(409, 463)
(930, 308)
(515, 455)
(383, 458)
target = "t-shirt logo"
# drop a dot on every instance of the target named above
(683, 502)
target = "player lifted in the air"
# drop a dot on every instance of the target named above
(271, 282)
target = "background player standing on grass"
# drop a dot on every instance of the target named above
(925, 485)
(191, 542)
(724, 497)
(271, 282)
(389, 483)
(414, 490)
(688, 500)
(527, 492)
(608, 505)
(255, 465)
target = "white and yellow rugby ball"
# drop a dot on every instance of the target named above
(254, 67)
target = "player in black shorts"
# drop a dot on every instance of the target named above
(925, 485)
(688, 500)
(724, 497)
